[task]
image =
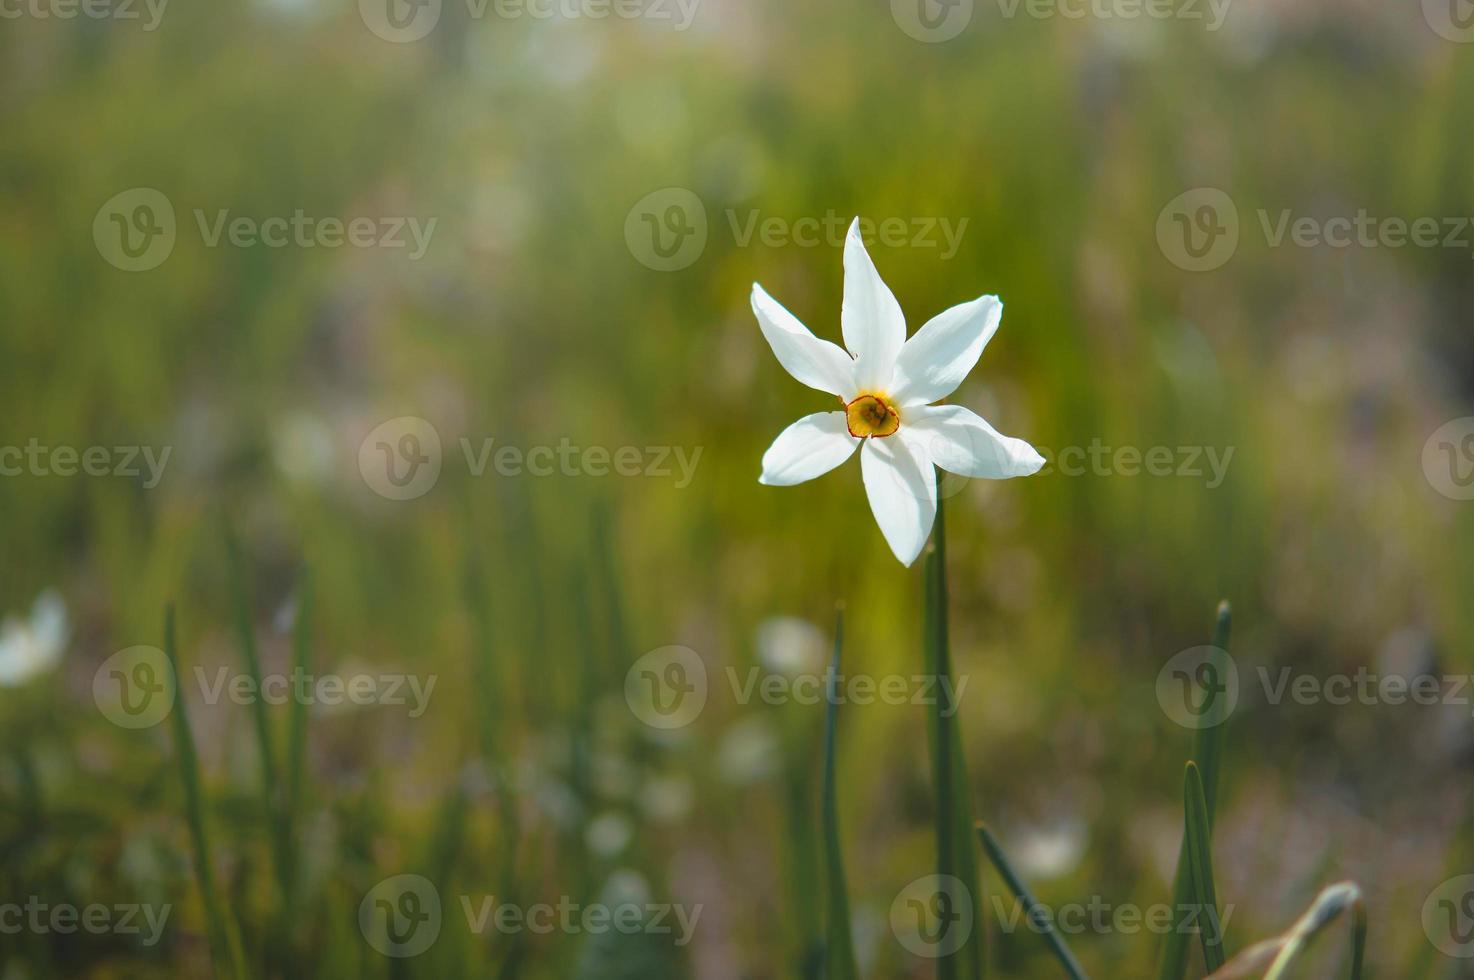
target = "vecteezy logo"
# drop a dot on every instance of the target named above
(135, 688)
(1199, 230)
(400, 916)
(933, 916)
(666, 231)
(1448, 917)
(1199, 687)
(1452, 20)
(666, 688)
(1460, 913)
(1448, 459)
(400, 459)
(134, 231)
(932, 21)
(400, 21)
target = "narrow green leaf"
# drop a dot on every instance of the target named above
(246, 638)
(839, 956)
(297, 732)
(1200, 863)
(968, 868)
(296, 751)
(1031, 907)
(487, 675)
(447, 843)
(1358, 939)
(272, 789)
(1208, 739)
(225, 944)
(939, 738)
(528, 553)
(610, 584)
(806, 880)
(956, 858)
(492, 684)
(30, 784)
(493, 688)
(1032, 910)
(1207, 752)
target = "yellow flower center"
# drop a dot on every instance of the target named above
(872, 416)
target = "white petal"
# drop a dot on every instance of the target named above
(874, 328)
(17, 653)
(940, 354)
(902, 487)
(810, 447)
(817, 363)
(49, 624)
(960, 441)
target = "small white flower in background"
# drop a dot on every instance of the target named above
(749, 752)
(608, 834)
(552, 798)
(790, 646)
(284, 620)
(625, 886)
(1047, 852)
(887, 385)
(612, 774)
(302, 444)
(668, 799)
(29, 647)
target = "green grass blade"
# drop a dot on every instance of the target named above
(494, 687)
(805, 879)
(29, 779)
(968, 869)
(1358, 939)
(225, 944)
(1043, 922)
(839, 955)
(487, 675)
(1174, 949)
(297, 732)
(246, 638)
(447, 843)
(273, 791)
(1200, 863)
(610, 584)
(938, 736)
(296, 749)
(955, 856)
(1208, 740)
(1207, 753)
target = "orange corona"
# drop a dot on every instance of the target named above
(872, 416)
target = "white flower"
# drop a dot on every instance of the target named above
(608, 834)
(31, 647)
(790, 646)
(667, 799)
(1045, 852)
(749, 752)
(887, 385)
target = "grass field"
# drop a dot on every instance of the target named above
(403, 355)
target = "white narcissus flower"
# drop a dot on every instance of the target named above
(34, 646)
(887, 385)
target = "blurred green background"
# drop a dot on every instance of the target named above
(534, 316)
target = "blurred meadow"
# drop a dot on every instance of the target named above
(543, 161)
